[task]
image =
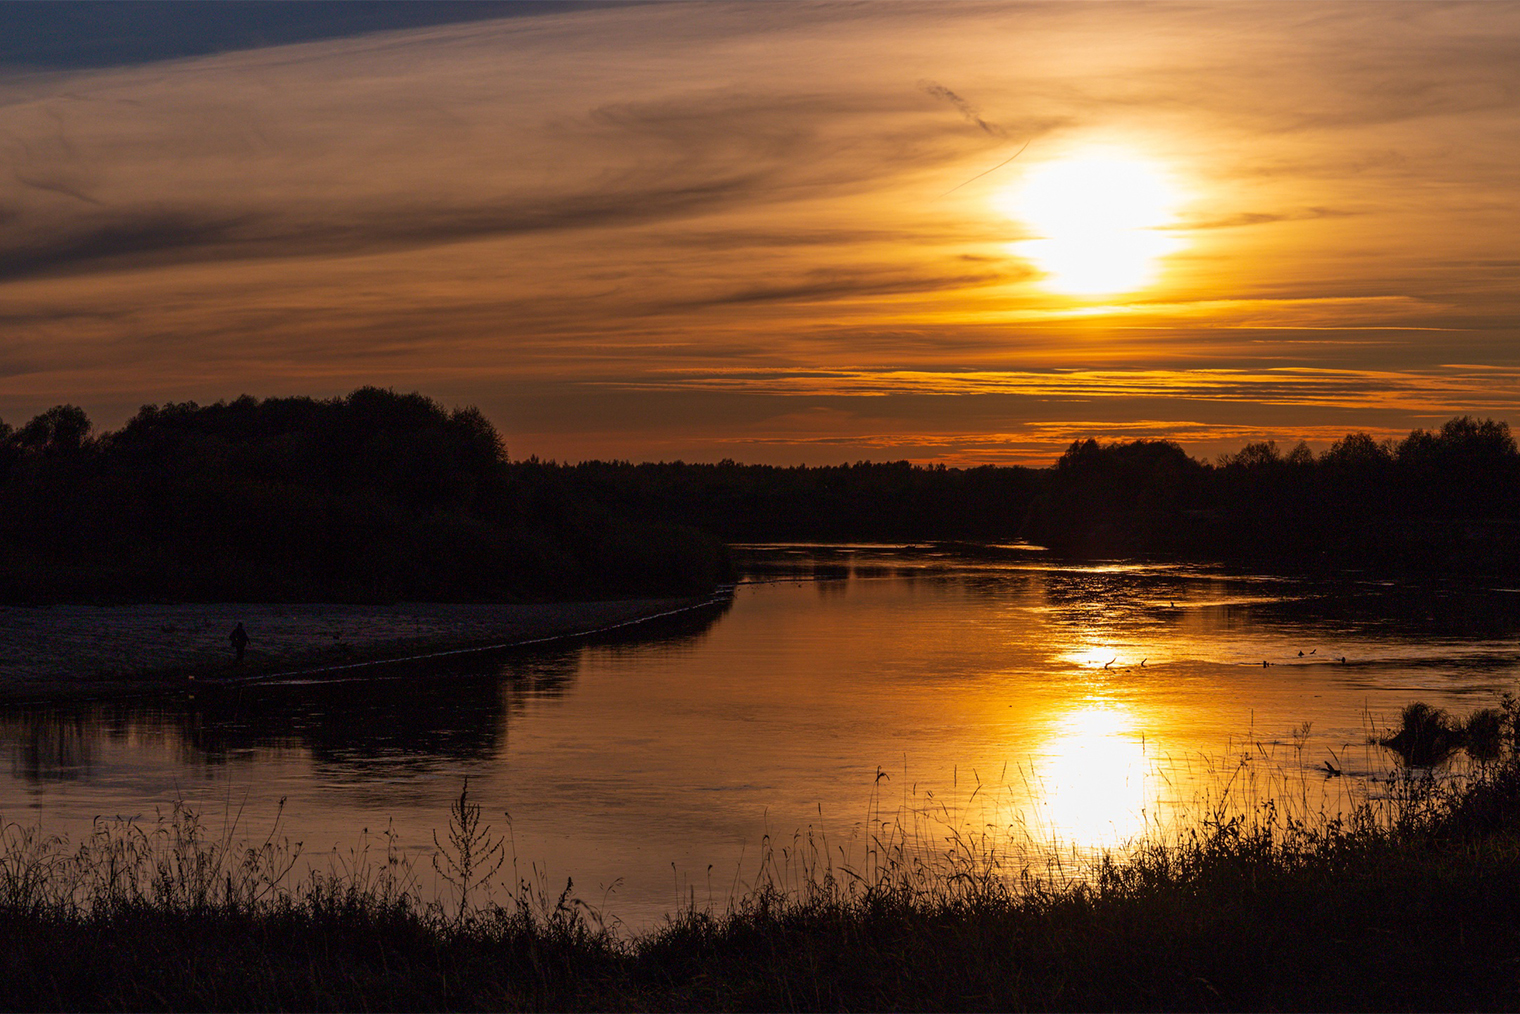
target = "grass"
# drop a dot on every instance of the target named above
(1410, 901)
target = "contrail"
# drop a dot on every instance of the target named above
(967, 109)
(970, 113)
(994, 169)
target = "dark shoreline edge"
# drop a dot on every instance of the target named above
(717, 599)
(347, 662)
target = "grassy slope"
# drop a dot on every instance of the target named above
(1419, 911)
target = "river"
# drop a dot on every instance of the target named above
(1046, 709)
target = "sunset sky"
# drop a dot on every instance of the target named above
(775, 232)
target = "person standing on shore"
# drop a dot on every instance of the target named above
(239, 639)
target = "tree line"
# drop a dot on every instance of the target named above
(384, 496)
(376, 496)
(1438, 500)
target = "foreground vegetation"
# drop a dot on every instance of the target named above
(1410, 902)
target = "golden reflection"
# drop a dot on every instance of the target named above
(1097, 216)
(1096, 656)
(1091, 776)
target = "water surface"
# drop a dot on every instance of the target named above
(1047, 705)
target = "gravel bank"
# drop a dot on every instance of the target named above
(74, 650)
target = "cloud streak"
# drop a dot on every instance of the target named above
(1451, 390)
(146, 238)
(724, 208)
(966, 109)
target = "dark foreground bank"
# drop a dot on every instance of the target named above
(1412, 904)
(57, 652)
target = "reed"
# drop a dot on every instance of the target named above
(1409, 898)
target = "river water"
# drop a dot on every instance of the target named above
(1049, 710)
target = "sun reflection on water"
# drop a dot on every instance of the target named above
(1099, 656)
(1092, 776)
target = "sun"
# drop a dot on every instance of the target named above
(1098, 219)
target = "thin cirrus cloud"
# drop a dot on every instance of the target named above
(1438, 391)
(677, 230)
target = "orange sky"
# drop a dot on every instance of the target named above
(768, 231)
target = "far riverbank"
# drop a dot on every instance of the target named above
(79, 650)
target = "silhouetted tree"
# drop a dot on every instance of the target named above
(376, 495)
(1446, 500)
(60, 430)
(1113, 499)
(386, 495)
(1358, 452)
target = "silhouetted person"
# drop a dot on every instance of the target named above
(239, 639)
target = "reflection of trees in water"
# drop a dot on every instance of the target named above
(1015, 587)
(1086, 600)
(1446, 609)
(48, 746)
(1192, 599)
(351, 722)
(409, 714)
(60, 742)
(1213, 603)
(831, 587)
(348, 724)
(681, 633)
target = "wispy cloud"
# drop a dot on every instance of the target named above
(1242, 219)
(966, 109)
(1448, 390)
(697, 211)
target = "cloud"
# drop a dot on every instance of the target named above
(1242, 219)
(1447, 390)
(138, 239)
(614, 165)
(716, 206)
(967, 110)
(831, 285)
(147, 238)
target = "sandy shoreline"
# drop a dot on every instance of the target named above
(69, 650)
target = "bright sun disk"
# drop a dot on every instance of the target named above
(1097, 219)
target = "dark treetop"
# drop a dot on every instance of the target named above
(383, 496)
(376, 496)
